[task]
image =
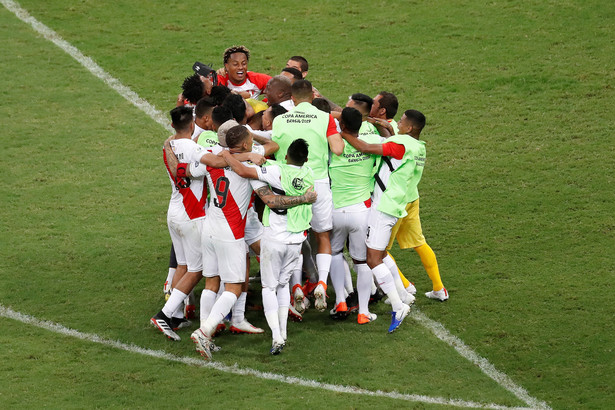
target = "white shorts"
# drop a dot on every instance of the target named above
(322, 220)
(350, 222)
(226, 259)
(278, 261)
(186, 238)
(254, 227)
(379, 226)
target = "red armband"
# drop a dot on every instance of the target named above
(181, 170)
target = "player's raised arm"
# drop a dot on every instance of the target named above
(385, 129)
(270, 146)
(282, 201)
(239, 168)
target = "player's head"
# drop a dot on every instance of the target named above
(270, 114)
(302, 91)
(236, 63)
(202, 113)
(361, 102)
(239, 139)
(322, 105)
(412, 123)
(292, 74)
(181, 119)
(297, 153)
(300, 63)
(278, 89)
(385, 106)
(193, 88)
(219, 93)
(223, 129)
(256, 122)
(220, 115)
(351, 120)
(237, 105)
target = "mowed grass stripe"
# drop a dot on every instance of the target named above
(157, 116)
(94, 338)
(88, 63)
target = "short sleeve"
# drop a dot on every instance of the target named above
(271, 175)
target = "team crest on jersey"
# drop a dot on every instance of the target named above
(298, 184)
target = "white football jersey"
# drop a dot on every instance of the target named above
(188, 202)
(230, 197)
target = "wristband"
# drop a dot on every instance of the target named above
(181, 170)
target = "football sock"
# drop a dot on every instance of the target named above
(220, 309)
(283, 320)
(347, 277)
(392, 266)
(208, 298)
(308, 261)
(323, 262)
(283, 302)
(430, 263)
(174, 303)
(338, 277)
(170, 276)
(385, 280)
(239, 308)
(364, 286)
(405, 281)
(270, 307)
(295, 278)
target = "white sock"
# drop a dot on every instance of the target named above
(218, 312)
(399, 285)
(374, 286)
(270, 307)
(338, 277)
(348, 277)
(364, 286)
(208, 298)
(239, 309)
(170, 276)
(283, 321)
(283, 295)
(295, 278)
(323, 262)
(385, 280)
(174, 303)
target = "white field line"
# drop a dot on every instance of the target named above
(91, 337)
(483, 364)
(438, 329)
(88, 63)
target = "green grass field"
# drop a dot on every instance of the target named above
(516, 200)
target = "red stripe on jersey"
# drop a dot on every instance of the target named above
(224, 200)
(331, 128)
(194, 208)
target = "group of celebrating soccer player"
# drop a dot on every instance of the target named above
(292, 179)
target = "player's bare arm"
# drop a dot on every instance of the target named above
(214, 161)
(270, 146)
(282, 201)
(336, 144)
(238, 167)
(362, 146)
(383, 126)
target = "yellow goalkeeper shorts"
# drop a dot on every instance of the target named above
(407, 230)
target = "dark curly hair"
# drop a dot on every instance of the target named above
(193, 88)
(235, 49)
